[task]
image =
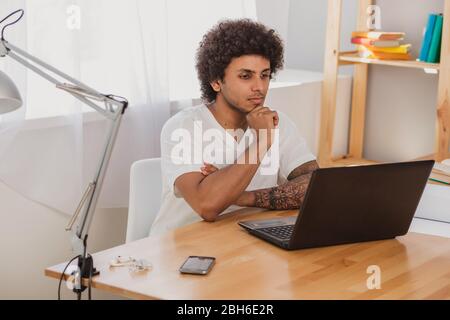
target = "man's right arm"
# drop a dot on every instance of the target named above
(211, 195)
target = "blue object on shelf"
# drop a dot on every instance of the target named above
(427, 37)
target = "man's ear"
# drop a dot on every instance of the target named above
(216, 85)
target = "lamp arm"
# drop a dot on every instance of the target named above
(88, 211)
(113, 109)
(83, 92)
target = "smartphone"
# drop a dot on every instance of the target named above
(197, 265)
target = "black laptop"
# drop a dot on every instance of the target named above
(350, 204)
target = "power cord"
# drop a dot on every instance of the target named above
(22, 12)
(62, 276)
(91, 273)
(434, 220)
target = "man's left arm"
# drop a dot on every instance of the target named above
(287, 196)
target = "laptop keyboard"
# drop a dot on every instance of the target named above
(282, 232)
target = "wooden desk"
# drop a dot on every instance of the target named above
(414, 266)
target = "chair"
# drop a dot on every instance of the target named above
(145, 197)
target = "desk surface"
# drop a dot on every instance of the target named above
(414, 266)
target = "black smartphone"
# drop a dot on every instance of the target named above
(197, 265)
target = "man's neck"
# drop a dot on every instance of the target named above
(227, 116)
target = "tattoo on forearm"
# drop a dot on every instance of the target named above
(290, 195)
(284, 197)
(305, 168)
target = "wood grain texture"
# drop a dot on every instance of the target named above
(359, 92)
(413, 266)
(443, 100)
(329, 85)
(352, 57)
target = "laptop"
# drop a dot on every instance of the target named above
(350, 204)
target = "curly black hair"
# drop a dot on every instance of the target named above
(231, 39)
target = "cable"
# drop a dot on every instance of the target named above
(434, 220)
(119, 99)
(11, 23)
(91, 271)
(62, 276)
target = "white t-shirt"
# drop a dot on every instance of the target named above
(193, 136)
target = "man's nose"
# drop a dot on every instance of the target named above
(258, 85)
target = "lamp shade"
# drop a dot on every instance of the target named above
(10, 99)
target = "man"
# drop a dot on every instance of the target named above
(235, 62)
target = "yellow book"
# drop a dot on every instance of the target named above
(405, 48)
(366, 53)
(388, 56)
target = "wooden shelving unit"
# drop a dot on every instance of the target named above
(346, 161)
(352, 57)
(334, 58)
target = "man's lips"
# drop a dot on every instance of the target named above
(256, 100)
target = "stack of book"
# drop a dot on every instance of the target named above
(381, 45)
(431, 44)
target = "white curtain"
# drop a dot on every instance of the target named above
(49, 149)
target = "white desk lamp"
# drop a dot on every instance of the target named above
(9, 95)
(113, 108)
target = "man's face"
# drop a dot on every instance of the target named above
(246, 82)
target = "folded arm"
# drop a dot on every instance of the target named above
(287, 196)
(211, 194)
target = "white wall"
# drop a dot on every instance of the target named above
(298, 94)
(33, 238)
(274, 14)
(401, 104)
(306, 32)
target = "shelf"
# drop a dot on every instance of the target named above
(352, 161)
(335, 57)
(432, 157)
(346, 161)
(352, 57)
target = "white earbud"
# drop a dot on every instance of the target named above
(121, 261)
(135, 265)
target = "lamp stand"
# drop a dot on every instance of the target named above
(113, 109)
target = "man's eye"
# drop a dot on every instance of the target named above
(245, 76)
(265, 76)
